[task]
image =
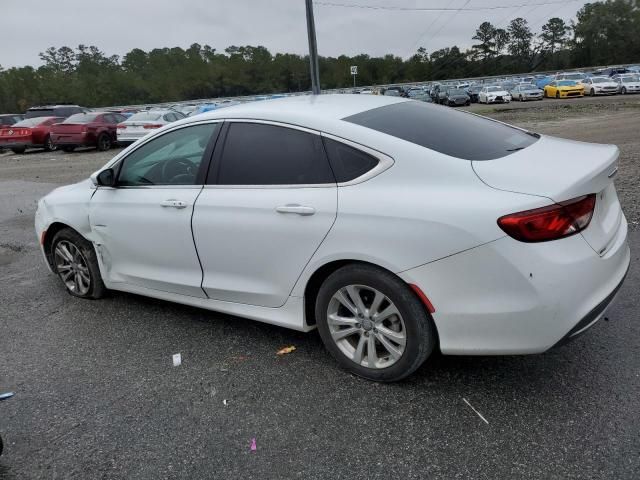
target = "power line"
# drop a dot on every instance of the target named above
(435, 9)
(415, 44)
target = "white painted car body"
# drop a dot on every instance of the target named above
(425, 216)
(491, 94)
(628, 84)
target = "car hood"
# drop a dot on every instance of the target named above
(498, 93)
(630, 84)
(80, 191)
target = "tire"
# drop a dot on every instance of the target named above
(75, 262)
(412, 323)
(18, 150)
(592, 93)
(68, 148)
(467, 103)
(558, 95)
(623, 91)
(49, 146)
(104, 142)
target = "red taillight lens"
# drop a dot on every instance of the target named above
(148, 127)
(121, 126)
(550, 223)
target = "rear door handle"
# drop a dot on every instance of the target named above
(297, 209)
(173, 203)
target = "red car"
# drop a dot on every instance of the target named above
(89, 129)
(29, 133)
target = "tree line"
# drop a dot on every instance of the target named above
(605, 32)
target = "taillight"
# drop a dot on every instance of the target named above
(121, 126)
(550, 223)
(149, 127)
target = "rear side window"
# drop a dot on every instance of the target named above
(347, 163)
(259, 154)
(39, 112)
(83, 118)
(445, 130)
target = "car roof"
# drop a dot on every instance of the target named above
(313, 111)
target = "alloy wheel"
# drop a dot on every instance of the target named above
(72, 267)
(366, 326)
(49, 145)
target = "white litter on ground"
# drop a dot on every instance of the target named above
(477, 412)
(177, 359)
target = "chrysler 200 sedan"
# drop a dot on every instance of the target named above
(393, 226)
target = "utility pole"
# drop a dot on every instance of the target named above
(313, 49)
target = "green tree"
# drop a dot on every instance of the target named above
(486, 35)
(554, 34)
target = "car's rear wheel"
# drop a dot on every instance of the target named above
(68, 148)
(49, 146)
(557, 94)
(104, 142)
(18, 149)
(75, 262)
(373, 324)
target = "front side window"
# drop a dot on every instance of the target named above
(260, 154)
(170, 159)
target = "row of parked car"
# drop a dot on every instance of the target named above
(610, 81)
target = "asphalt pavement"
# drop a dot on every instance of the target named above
(97, 395)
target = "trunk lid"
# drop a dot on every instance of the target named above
(562, 170)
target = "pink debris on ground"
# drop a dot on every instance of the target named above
(253, 445)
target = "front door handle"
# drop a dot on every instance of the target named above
(297, 209)
(173, 203)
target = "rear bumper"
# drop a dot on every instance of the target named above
(508, 297)
(73, 140)
(591, 318)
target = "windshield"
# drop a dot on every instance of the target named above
(36, 112)
(441, 129)
(573, 76)
(145, 117)
(600, 80)
(457, 91)
(494, 89)
(629, 79)
(82, 118)
(566, 83)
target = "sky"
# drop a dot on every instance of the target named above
(117, 26)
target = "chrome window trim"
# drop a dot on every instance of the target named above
(384, 161)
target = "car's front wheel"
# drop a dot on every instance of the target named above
(75, 262)
(49, 146)
(373, 324)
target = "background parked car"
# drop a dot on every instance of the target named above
(92, 129)
(493, 94)
(63, 111)
(599, 86)
(473, 92)
(10, 119)
(563, 89)
(525, 91)
(456, 97)
(628, 84)
(138, 125)
(29, 133)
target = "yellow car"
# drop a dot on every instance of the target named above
(563, 89)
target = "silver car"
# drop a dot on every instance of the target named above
(524, 92)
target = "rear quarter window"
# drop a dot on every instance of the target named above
(444, 130)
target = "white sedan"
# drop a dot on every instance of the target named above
(628, 84)
(599, 86)
(494, 94)
(140, 124)
(395, 227)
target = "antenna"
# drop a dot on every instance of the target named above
(313, 49)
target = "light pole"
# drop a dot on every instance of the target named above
(313, 49)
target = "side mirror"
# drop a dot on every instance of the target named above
(106, 178)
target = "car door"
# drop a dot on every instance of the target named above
(143, 224)
(269, 202)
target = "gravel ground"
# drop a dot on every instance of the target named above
(98, 397)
